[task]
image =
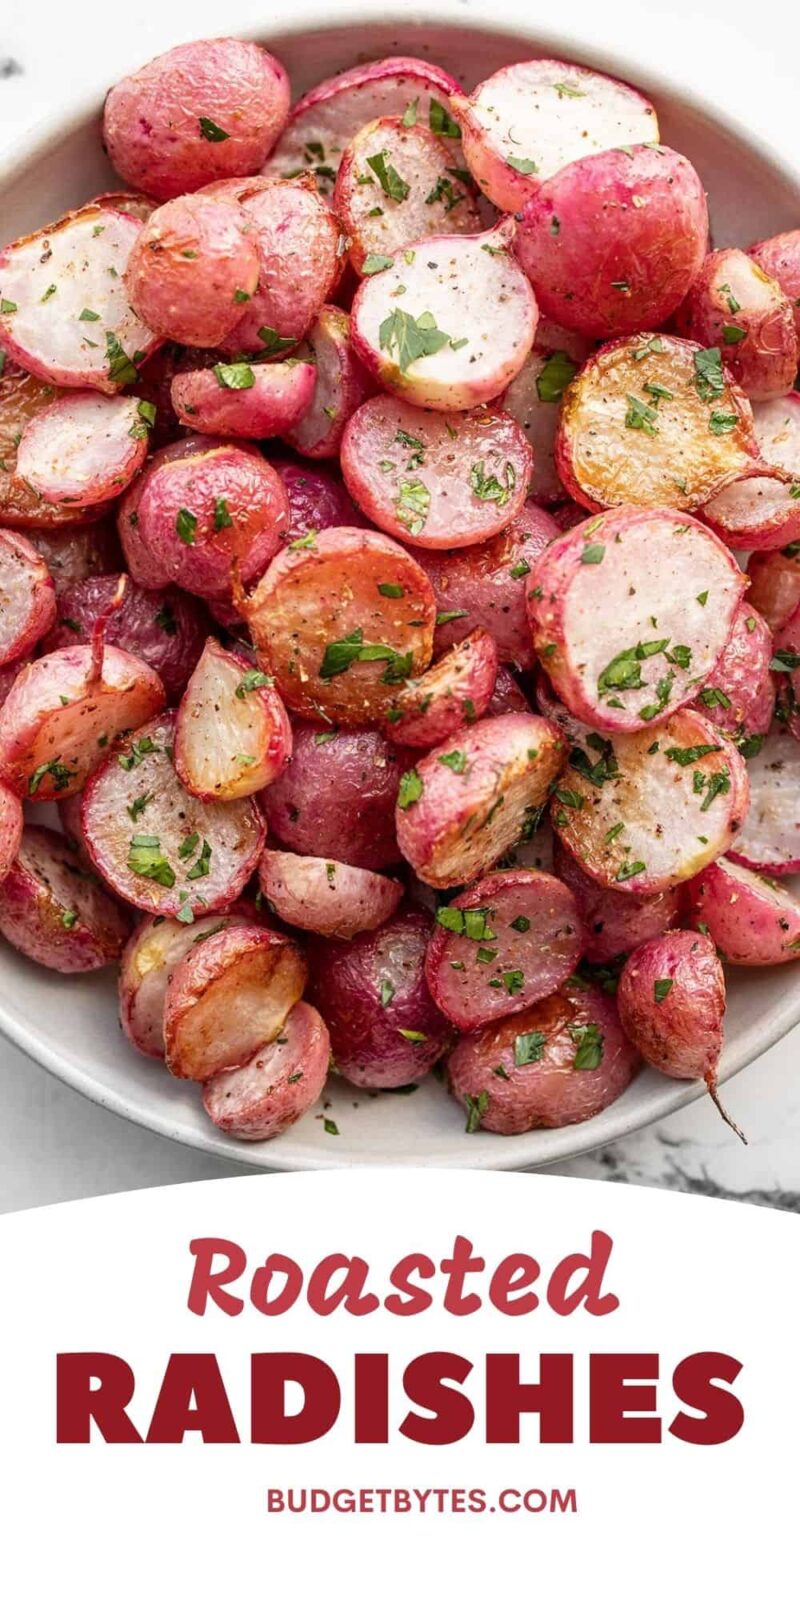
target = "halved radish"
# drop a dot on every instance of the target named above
(165, 628)
(154, 843)
(64, 311)
(449, 323)
(779, 257)
(753, 921)
(614, 923)
(759, 513)
(232, 735)
(22, 397)
(529, 120)
(630, 612)
(64, 713)
(644, 811)
(454, 692)
(738, 696)
(769, 841)
(244, 402)
(508, 940)
(228, 996)
(341, 386)
(56, 914)
(300, 249)
(534, 397)
(192, 268)
(326, 897)
(653, 421)
(324, 121)
(279, 1083)
(84, 448)
(28, 597)
(436, 480)
(775, 584)
(337, 796)
(149, 959)
(341, 622)
(396, 184)
(734, 304)
(467, 801)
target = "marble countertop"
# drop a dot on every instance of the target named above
(53, 1144)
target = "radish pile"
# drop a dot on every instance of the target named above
(400, 574)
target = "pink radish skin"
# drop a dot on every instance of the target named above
(165, 630)
(534, 400)
(385, 1030)
(435, 480)
(337, 796)
(136, 795)
(83, 449)
(299, 246)
(738, 696)
(435, 200)
(59, 719)
(150, 957)
(523, 940)
(760, 513)
(467, 283)
(615, 923)
(227, 997)
(502, 1092)
(779, 257)
(453, 693)
(29, 601)
(191, 269)
(326, 897)
(232, 735)
(456, 816)
(752, 920)
(316, 498)
(276, 398)
(153, 120)
(734, 305)
(613, 242)
(679, 1032)
(769, 841)
(56, 915)
(775, 585)
(661, 585)
(278, 1085)
(342, 384)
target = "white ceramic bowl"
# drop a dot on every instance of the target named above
(69, 1025)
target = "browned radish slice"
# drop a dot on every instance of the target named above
(154, 843)
(534, 400)
(166, 629)
(653, 421)
(449, 323)
(73, 553)
(397, 184)
(149, 959)
(326, 897)
(28, 597)
(341, 621)
(229, 995)
(614, 923)
(192, 268)
(324, 121)
(528, 120)
(779, 257)
(10, 829)
(232, 735)
(775, 584)
(734, 304)
(337, 795)
(300, 250)
(341, 386)
(753, 921)
(563, 1060)
(759, 513)
(62, 715)
(279, 1083)
(507, 941)
(22, 397)
(468, 801)
(56, 914)
(630, 612)
(433, 479)
(244, 402)
(454, 692)
(769, 841)
(739, 695)
(84, 448)
(644, 811)
(64, 311)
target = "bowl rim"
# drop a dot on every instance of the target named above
(634, 66)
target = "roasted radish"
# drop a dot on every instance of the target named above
(28, 597)
(240, 401)
(752, 920)
(326, 897)
(769, 840)
(337, 796)
(397, 183)
(54, 912)
(734, 305)
(453, 693)
(229, 995)
(341, 386)
(280, 1082)
(232, 736)
(84, 448)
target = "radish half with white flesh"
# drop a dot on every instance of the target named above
(449, 323)
(341, 386)
(761, 514)
(84, 448)
(653, 421)
(738, 696)
(322, 124)
(775, 584)
(341, 620)
(326, 897)
(229, 995)
(753, 921)
(437, 480)
(64, 712)
(233, 735)
(534, 397)
(282, 1081)
(769, 841)
(469, 800)
(528, 120)
(630, 612)
(54, 913)
(454, 692)
(22, 397)
(28, 597)
(397, 184)
(149, 959)
(779, 257)
(64, 312)
(243, 402)
(734, 304)
(614, 923)
(508, 940)
(157, 846)
(644, 811)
